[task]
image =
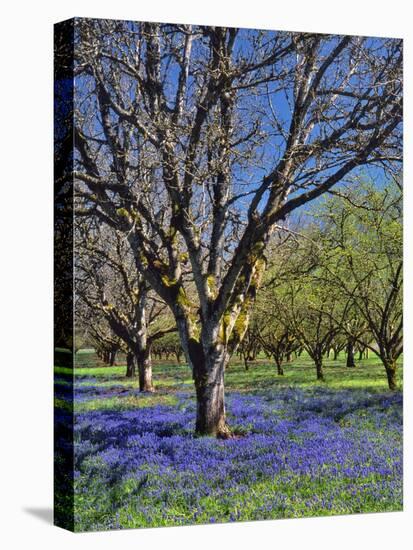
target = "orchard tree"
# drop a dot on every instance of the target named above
(337, 345)
(278, 343)
(169, 345)
(93, 329)
(296, 307)
(109, 285)
(355, 328)
(195, 142)
(309, 311)
(105, 342)
(361, 231)
(250, 345)
(271, 332)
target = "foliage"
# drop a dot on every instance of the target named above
(339, 277)
(362, 252)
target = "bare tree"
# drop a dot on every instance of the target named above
(110, 286)
(250, 346)
(196, 142)
(278, 342)
(275, 337)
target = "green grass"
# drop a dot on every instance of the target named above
(124, 403)
(262, 375)
(369, 374)
(169, 377)
(296, 496)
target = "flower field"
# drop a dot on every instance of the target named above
(301, 448)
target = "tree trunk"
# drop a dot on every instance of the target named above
(319, 369)
(130, 364)
(280, 370)
(350, 353)
(246, 365)
(209, 385)
(112, 357)
(391, 369)
(288, 357)
(208, 357)
(145, 371)
(210, 413)
(335, 356)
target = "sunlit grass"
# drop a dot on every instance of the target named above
(124, 403)
(368, 373)
(124, 437)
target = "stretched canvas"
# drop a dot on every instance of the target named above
(228, 274)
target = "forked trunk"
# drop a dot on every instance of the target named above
(130, 364)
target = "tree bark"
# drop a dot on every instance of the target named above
(280, 370)
(246, 365)
(112, 358)
(209, 385)
(145, 371)
(391, 370)
(350, 353)
(130, 365)
(319, 369)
